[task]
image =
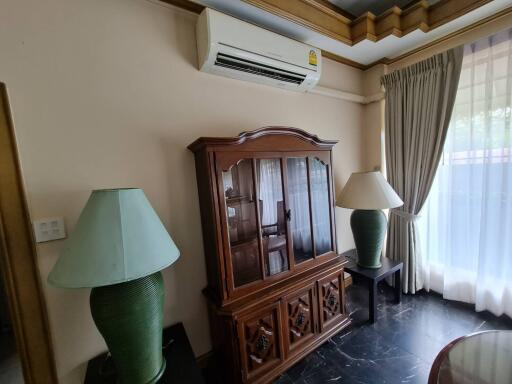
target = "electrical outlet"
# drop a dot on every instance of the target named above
(49, 229)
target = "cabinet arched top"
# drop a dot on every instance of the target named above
(265, 138)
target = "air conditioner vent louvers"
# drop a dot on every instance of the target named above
(240, 64)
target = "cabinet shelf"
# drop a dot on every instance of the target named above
(243, 243)
(238, 199)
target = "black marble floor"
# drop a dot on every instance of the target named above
(399, 348)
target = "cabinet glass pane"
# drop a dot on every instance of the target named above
(320, 206)
(242, 224)
(298, 201)
(272, 215)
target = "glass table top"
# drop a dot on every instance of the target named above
(484, 357)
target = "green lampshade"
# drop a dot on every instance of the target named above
(118, 237)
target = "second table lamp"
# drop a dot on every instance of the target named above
(368, 193)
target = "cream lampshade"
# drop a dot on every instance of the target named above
(368, 190)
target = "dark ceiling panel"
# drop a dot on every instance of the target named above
(358, 7)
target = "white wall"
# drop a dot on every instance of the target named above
(107, 94)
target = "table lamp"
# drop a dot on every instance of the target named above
(118, 248)
(367, 193)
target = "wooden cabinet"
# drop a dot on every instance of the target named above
(275, 285)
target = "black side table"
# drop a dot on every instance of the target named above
(373, 276)
(181, 363)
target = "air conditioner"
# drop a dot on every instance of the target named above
(230, 47)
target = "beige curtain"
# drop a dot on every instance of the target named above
(419, 102)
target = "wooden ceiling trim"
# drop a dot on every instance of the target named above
(415, 17)
(186, 4)
(490, 19)
(343, 60)
(328, 8)
(364, 28)
(329, 21)
(310, 14)
(335, 8)
(393, 24)
(389, 23)
(444, 11)
(197, 8)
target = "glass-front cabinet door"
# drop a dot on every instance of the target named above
(243, 233)
(256, 219)
(272, 215)
(278, 213)
(299, 208)
(309, 207)
(321, 206)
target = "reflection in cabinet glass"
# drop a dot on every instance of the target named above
(241, 217)
(320, 206)
(298, 195)
(272, 215)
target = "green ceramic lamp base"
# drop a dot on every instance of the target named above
(369, 228)
(159, 374)
(130, 318)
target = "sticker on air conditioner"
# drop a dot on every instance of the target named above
(312, 57)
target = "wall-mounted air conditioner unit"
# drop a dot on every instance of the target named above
(233, 48)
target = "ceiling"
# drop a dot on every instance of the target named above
(344, 29)
(358, 7)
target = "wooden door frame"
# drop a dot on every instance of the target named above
(18, 261)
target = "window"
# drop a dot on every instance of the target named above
(466, 223)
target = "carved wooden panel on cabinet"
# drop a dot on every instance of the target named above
(300, 319)
(331, 300)
(260, 342)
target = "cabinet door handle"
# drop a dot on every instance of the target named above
(288, 214)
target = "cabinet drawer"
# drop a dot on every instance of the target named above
(261, 347)
(331, 300)
(299, 318)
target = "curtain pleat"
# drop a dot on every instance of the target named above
(419, 102)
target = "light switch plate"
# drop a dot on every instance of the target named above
(49, 229)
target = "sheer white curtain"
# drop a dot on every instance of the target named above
(466, 224)
(270, 192)
(299, 203)
(320, 204)
(270, 189)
